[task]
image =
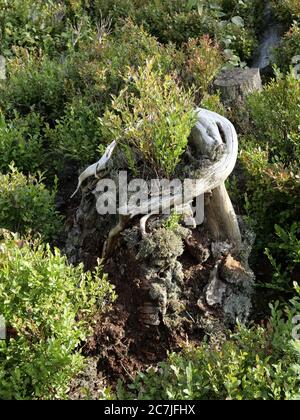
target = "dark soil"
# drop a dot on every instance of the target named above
(122, 344)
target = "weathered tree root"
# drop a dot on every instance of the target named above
(96, 167)
(113, 235)
(214, 137)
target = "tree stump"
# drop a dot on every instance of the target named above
(234, 85)
(154, 267)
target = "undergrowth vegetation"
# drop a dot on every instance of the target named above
(254, 363)
(82, 73)
(49, 307)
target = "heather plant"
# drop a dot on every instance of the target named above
(152, 116)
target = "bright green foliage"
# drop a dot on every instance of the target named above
(154, 117)
(104, 62)
(77, 133)
(213, 103)
(172, 223)
(254, 363)
(251, 11)
(53, 26)
(27, 205)
(20, 141)
(48, 306)
(272, 198)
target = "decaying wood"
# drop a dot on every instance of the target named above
(113, 234)
(221, 218)
(207, 138)
(213, 137)
(210, 177)
(96, 167)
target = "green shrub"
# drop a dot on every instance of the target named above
(254, 363)
(288, 244)
(76, 133)
(203, 62)
(250, 11)
(38, 84)
(47, 25)
(28, 24)
(286, 10)
(154, 117)
(48, 307)
(21, 141)
(130, 45)
(270, 159)
(178, 21)
(27, 205)
(213, 103)
(288, 49)
(276, 114)
(272, 198)
(170, 21)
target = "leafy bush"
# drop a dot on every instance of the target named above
(47, 25)
(254, 363)
(288, 242)
(203, 62)
(250, 11)
(178, 21)
(21, 141)
(272, 198)
(37, 84)
(48, 307)
(288, 49)
(170, 21)
(76, 133)
(286, 10)
(270, 159)
(153, 116)
(213, 103)
(108, 59)
(276, 116)
(27, 205)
